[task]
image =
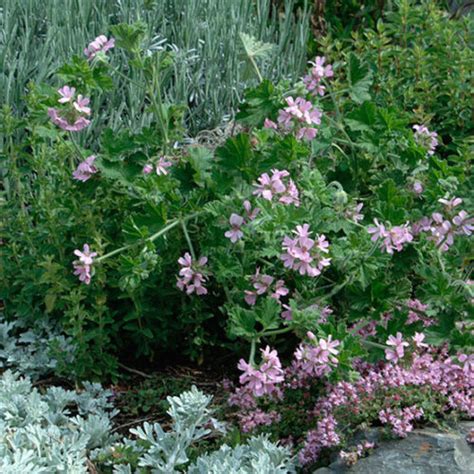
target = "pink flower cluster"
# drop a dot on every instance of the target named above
(425, 138)
(444, 227)
(192, 275)
(278, 187)
(83, 266)
(391, 239)
(417, 188)
(72, 117)
(324, 436)
(417, 312)
(319, 71)
(380, 392)
(255, 418)
(160, 167)
(100, 45)
(265, 379)
(401, 419)
(398, 344)
(262, 284)
(85, 170)
(236, 221)
(300, 117)
(313, 360)
(305, 255)
(354, 213)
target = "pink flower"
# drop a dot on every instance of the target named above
(83, 272)
(148, 168)
(304, 254)
(86, 256)
(464, 223)
(191, 275)
(417, 312)
(82, 267)
(100, 44)
(451, 203)
(398, 352)
(392, 239)
(426, 138)
(279, 290)
(418, 339)
(235, 233)
(468, 361)
(262, 284)
(72, 126)
(85, 169)
(328, 349)
(81, 105)
(287, 314)
(162, 165)
(317, 73)
(269, 124)
(378, 231)
(277, 186)
(67, 94)
(262, 380)
(354, 213)
(300, 116)
(251, 214)
(417, 187)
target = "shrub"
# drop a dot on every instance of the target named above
(328, 201)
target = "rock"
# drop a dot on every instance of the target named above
(425, 451)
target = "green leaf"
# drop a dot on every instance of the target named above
(200, 158)
(236, 154)
(260, 102)
(119, 171)
(360, 79)
(268, 314)
(242, 322)
(253, 49)
(362, 118)
(129, 37)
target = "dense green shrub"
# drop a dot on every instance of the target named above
(140, 222)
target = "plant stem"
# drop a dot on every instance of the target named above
(373, 344)
(188, 238)
(275, 332)
(253, 346)
(76, 146)
(153, 237)
(254, 64)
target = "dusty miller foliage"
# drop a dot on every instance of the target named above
(51, 432)
(63, 431)
(33, 352)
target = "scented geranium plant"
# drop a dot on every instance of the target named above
(326, 208)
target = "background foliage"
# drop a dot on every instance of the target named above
(36, 38)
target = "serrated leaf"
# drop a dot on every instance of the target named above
(360, 79)
(362, 118)
(129, 37)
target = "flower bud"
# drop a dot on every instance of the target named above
(340, 197)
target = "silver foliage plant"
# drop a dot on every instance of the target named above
(32, 352)
(166, 452)
(51, 432)
(64, 431)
